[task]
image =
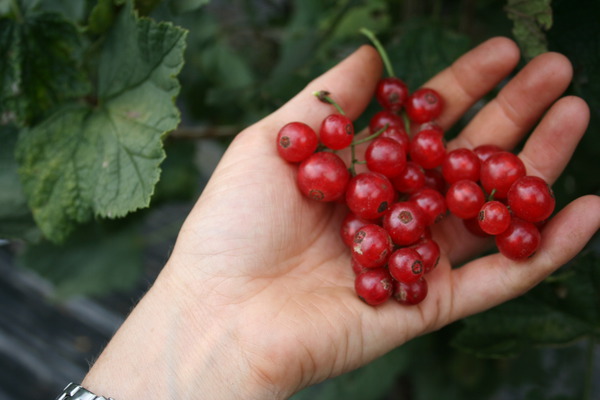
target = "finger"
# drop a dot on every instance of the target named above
(489, 281)
(545, 154)
(473, 75)
(351, 84)
(519, 105)
(552, 143)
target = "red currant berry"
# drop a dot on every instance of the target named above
(431, 125)
(374, 286)
(337, 131)
(323, 177)
(385, 156)
(494, 217)
(405, 265)
(431, 202)
(530, 198)
(464, 199)
(435, 180)
(398, 134)
(424, 105)
(357, 268)
(369, 195)
(410, 180)
(405, 222)
(461, 164)
(472, 225)
(486, 150)
(499, 172)
(372, 246)
(519, 241)
(429, 251)
(411, 293)
(427, 149)
(391, 93)
(350, 225)
(383, 118)
(296, 141)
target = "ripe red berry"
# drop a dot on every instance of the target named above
(391, 93)
(296, 141)
(350, 225)
(499, 172)
(383, 118)
(435, 180)
(411, 293)
(424, 105)
(371, 246)
(431, 202)
(369, 195)
(464, 199)
(494, 217)
(486, 150)
(405, 223)
(530, 198)
(520, 241)
(356, 267)
(374, 286)
(336, 132)
(427, 149)
(323, 177)
(461, 164)
(405, 265)
(398, 134)
(472, 225)
(410, 180)
(429, 251)
(386, 156)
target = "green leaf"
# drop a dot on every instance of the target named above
(104, 160)
(40, 68)
(531, 19)
(561, 310)
(97, 260)
(16, 220)
(102, 16)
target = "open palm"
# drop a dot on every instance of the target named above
(270, 263)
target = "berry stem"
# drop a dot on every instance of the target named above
(370, 137)
(355, 143)
(324, 97)
(406, 122)
(382, 53)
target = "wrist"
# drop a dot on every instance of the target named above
(169, 348)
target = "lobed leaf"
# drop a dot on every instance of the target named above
(104, 160)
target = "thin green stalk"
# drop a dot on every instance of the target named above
(380, 49)
(353, 160)
(323, 96)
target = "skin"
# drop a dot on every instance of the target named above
(257, 299)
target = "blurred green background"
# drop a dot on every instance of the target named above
(243, 59)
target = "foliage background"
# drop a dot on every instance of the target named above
(70, 61)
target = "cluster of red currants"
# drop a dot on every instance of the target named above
(408, 183)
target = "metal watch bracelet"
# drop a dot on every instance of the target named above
(74, 391)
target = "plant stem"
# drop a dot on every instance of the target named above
(382, 53)
(323, 96)
(589, 373)
(353, 160)
(370, 137)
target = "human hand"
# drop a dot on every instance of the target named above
(257, 300)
